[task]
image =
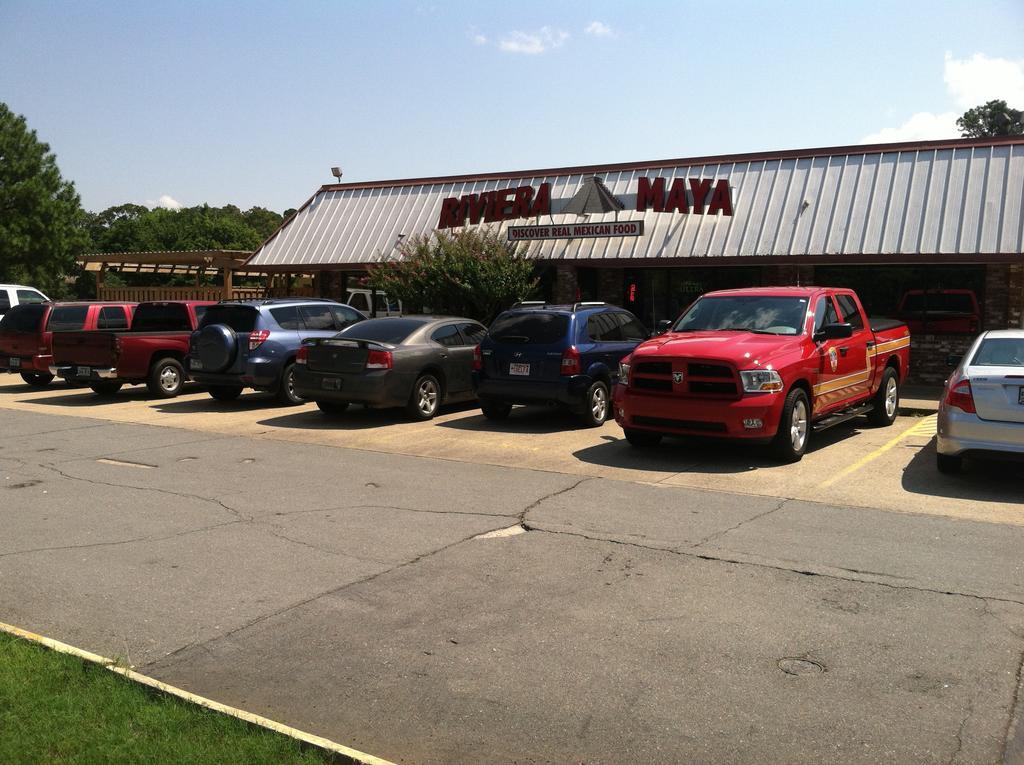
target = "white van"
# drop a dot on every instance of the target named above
(360, 300)
(13, 294)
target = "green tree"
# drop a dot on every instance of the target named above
(990, 119)
(468, 273)
(41, 216)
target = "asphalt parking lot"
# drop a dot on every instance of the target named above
(885, 468)
(459, 591)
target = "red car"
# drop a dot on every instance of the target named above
(763, 365)
(152, 351)
(26, 333)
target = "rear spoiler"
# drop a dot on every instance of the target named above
(348, 342)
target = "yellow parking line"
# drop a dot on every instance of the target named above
(926, 427)
(352, 755)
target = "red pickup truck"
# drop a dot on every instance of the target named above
(26, 333)
(764, 365)
(150, 352)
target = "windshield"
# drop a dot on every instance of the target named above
(530, 328)
(240, 318)
(23, 318)
(64, 318)
(161, 317)
(390, 331)
(1000, 352)
(750, 313)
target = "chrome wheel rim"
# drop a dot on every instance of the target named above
(891, 397)
(798, 425)
(289, 384)
(599, 404)
(427, 396)
(169, 378)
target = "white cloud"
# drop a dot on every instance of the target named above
(969, 82)
(598, 29)
(534, 43)
(478, 39)
(166, 201)
(978, 79)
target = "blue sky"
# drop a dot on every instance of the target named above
(252, 103)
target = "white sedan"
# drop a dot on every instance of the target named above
(982, 409)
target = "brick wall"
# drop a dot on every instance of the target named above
(787, 275)
(1015, 296)
(929, 354)
(565, 283)
(609, 285)
(997, 296)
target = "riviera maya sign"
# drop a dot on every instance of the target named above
(686, 196)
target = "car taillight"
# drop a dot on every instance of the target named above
(117, 347)
(302, 355)
(478, 361)
(257, 338)
(570, 361)
(961, 396)
(378, 360)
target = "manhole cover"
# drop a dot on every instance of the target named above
(801, 666)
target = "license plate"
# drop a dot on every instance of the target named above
(331, 383)
(1020, 396)
(519, 369)
(15, 362)
(83, 372)
(195, 364)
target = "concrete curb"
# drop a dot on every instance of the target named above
(339, 752)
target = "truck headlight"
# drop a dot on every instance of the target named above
(624, 372)
(761, 381)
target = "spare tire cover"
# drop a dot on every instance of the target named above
(218, 347)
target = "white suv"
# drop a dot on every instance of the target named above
(360, 300)
(12, 294)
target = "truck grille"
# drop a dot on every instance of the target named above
(699, 378)
(666, 422)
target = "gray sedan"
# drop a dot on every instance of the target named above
(418, 362)
(982, 409)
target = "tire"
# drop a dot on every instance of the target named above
(332, 408)
(886, 401)
(37, 379)
(425, 398)
(286, 390)
(166, 378)
(950, 464)
(597, 405)
(642, 438)
(495, 410)
(105, 388)
(794, 431)
(217, 347)
(225, 392)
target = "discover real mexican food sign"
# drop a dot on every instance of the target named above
(576, 230)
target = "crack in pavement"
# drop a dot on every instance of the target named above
(533, 505)
(275, 533)
(287, 513)
(769, 566)
(147, 538)
(723, 532)
(181, 495)
(960, 732)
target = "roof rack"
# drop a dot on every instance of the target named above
(587, 303)
(529, 303)
(274, 300)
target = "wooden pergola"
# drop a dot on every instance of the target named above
(196, 263)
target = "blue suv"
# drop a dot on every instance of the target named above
(252, 343)
(536, 353)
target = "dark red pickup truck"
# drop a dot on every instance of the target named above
(768, 365)
(26, 333)
(150, 352)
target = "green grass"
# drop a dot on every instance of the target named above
(56, 708)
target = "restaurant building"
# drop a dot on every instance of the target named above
(923, 229)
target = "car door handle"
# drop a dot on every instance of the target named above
(444, 355)
(843, 349)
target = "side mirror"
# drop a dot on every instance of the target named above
(663, 326)
(952, 360)
(833, 332)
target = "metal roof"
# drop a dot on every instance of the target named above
(941, 198)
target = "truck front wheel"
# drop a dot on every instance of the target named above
(886, 402)
(790, 442)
